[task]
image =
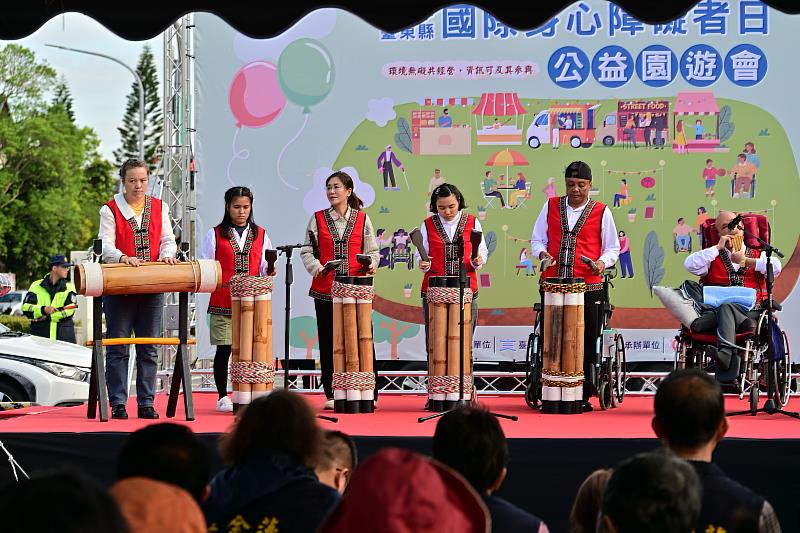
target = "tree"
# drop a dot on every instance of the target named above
(403, 136)
(385, 329)
(52, 179)
(153, 127)
(304, 333)
(726, 127)
(23, 80)
(63, 98)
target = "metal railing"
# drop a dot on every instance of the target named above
(414, 382)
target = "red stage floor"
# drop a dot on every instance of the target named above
(397, 415)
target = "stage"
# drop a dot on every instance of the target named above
(550, 454)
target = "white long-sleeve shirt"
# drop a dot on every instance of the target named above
(108, 230)
(608, 233)
(450, 229)
(700, 261)
(210, 246)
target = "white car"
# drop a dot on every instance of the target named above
(11, 303)
(43, 371)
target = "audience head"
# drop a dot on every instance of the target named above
(689, 410)
(654, 492)
(471, 442)
(588, 500)
(281, 423)
(63, 501)
(149, 505)
(337, 460)
(167, 452)
(401, 491)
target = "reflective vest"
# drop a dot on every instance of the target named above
(234, 261)
(567, 246)
(442, 251)
(43, 325)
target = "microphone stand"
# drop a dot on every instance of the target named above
(770, 405)
(288, 250)
(462, 283)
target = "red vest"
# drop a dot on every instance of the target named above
(442, 252)
(132, 241)
(332, 247)
(567, 246)
(721, 273)
(234, 261)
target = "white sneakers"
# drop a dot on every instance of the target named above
(328, 405)
(225, 405)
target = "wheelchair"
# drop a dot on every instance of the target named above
(401, 254)
(760, 369)
(609, 369)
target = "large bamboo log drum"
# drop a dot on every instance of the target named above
(353, 372)
(444, 342)
(95, 279)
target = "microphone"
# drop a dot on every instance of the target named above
(288, 247)
(735, 222)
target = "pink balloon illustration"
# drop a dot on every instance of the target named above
(255, 96)
(648, 182)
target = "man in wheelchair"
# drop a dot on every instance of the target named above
(731, 262)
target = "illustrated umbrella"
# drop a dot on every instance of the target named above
(507, 158)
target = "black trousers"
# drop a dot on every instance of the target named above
(388, 174)
(324, 311)
(727, 319)
(593, 319)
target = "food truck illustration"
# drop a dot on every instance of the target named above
(634, 121)
(573, 123)
(499, 119)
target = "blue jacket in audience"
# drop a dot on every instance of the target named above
(508, 518)
(268, 489)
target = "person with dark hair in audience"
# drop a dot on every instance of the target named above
(337, 460)
(170, 453)
(271, 452)
(64, 501)
(399, 491)
(654, 493)
(471, 442)
(149, 505)
(690, 421)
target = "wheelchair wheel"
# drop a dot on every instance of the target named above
(605, 394)
(754, 394)
(783, 375)
(619, 372)
(533, 379)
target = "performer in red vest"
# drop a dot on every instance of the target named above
(341, 231)
(238, 244)
(439, 234)
(567, 228)
(721, 266)
(134, 227)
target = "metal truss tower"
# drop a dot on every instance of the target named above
(176, 169)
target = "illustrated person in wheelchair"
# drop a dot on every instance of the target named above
(730, 261)
(568, 229)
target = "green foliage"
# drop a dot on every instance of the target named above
(16, 323)
(52, 180)
(491, 243)
(403, 136)
(653, 259)
(726, 127)
(23, 81)
(153, 126)
(63, 98)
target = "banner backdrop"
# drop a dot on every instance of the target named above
(677, 121)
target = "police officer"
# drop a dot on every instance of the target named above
(46, 301)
